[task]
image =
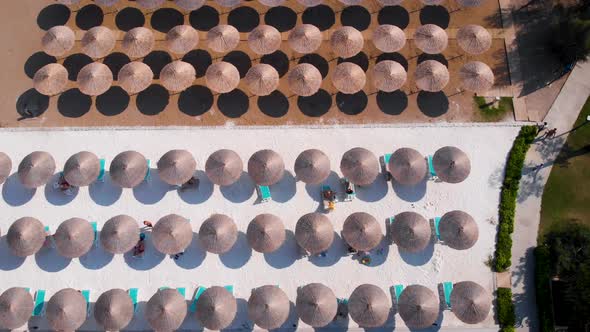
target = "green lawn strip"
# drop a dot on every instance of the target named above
(542, 288)
(506, 315)
(493, 111)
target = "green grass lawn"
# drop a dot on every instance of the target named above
(567, 194)
(490, 112)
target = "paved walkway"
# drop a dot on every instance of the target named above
(562, 116)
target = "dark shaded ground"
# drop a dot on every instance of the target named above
(200, 59)
(361, 59)
(317, 61)
(321, 16)
(31, 104)
(89, 17)
(112, 102)
(315, 105)
(165, 19)
(195, 101)
(437, 15)
(352, 104)
(53, 15)
(245, 19)
(74, 63)
(279, 61)
(116, 61)
(274, 105)
(37, 61)
(129, 18)
(394, 15)
(73, 103)
(157, 60)
(233, 104)
(239, 59)
(393, 57)
(153, 100)
(204, 18)
(281, 17)
(357, 17)
(392, 103)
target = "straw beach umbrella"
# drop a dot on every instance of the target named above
(431, 76)
(51, 79)
(431, 38)
(451, 164)
(150, 4)
(432, 2)
(471, 303)
(312, 166)
(264, 39)
(172, 234)
(128, 169)
(98, 42)
(310, 3)
(176, 167)
(359, 166)
(58, 40)
(5, 167)
(68, 2)
(349, 78)
(266, 233)
(119, 234)
(178, 76)
(390, 2)
(181, 39)
(228, 3)
(25, 236)
(135, 77)
(389, 38)
(222, 77)
(82, 169)
(262, 79)
(36, 169)
(314, 233)
(316, 304)
(389, 76)
(190, 4)
(368, 306)
(458, 230)
(268, 307)
(266, 167)
(216, 308)
(362, 231)
(113, 310)
(476, 76)
(223, 38)
(407, 166)
(470, 3)
(271, 3)
(304, 80)
(95, 79)
(218, 234)
(305, 38)
(474, 39)
(138, 42)
(66, 310)
(411, 231)
(346, 41)
(106, 3)
(418, 306)
(74, 237)
(16, 307)
(224, 167)
(166, 310)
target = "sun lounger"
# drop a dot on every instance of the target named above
(193, 306)
(436, 230)
(342, 301)
(148, 174)
(431, 171)
(102, 171)
(86, 294)
(264, 193)
(384, 160)
(327, 199)
(347, 184)
(229, 288)
(133, 295)
(447, 290)
(95, 229)
(39, 308)
(48, 237)
(398, 291)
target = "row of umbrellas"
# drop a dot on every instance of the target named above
(268, 307)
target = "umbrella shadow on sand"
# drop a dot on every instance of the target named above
(285, 189)
(286, 254)
(290, 325)
(240, 191)
(239, 254)
(389, 324)
(241, 321)
(49, 260)
(150, 258)
(315, 190)
(201, 193)
(96, 258)
(193, 256)
(418, 258)
(409, 193)
(14, 193)
(331, 256)
(373, 192)
(151, 191)
(8, 261)
(105, 193)
(56, 196)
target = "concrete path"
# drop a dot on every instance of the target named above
(562, 116)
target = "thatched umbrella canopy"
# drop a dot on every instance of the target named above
(346, 42)
(304, 80)
(16, 307)
(266, 233)
(119, 234)
(58, 40)
(138, 42)
(368, 306)
(223, 38)
(172, 234)
(310, 3)
(476, 76)
(25, 236)
(128, 169)
(181, 39)
(176, 167)
(431, 76)
(82, 169)
(106, 3)
(407, 166)
(224, 167)
(305, 38)
(68, 2)
(316, 304)
(190, 4)
(262, 79)
(471, 303)
(411, 231)
(474, 39)
(66, 310)
(418, 306)
(362, 231)
(266, 167)
(272, 3)
(218, 234)
(178, 76)
(432, 2)
(222, 77)
(135, 77)
(312, 166)
(36, 169)
(5, 167)
(314, 232)
(74, 237)
(268, 307)
(51, 79)
(349, 78)
(470, 3)
(389, 38)
(264, 39)
(150, 4)
(451, 164)
(431, 38)
(458, 230)
(228, 3)
(389, 76)
(166, 310)
(390, 2)
(359, 166)
(95, 79)
(216, 308)
(113, 310)
(98, 42)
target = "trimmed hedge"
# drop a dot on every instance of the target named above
(506, 315)
(508, 196)
(542, 288)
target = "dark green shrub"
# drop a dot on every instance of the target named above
(542, 280)
(506, 315)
